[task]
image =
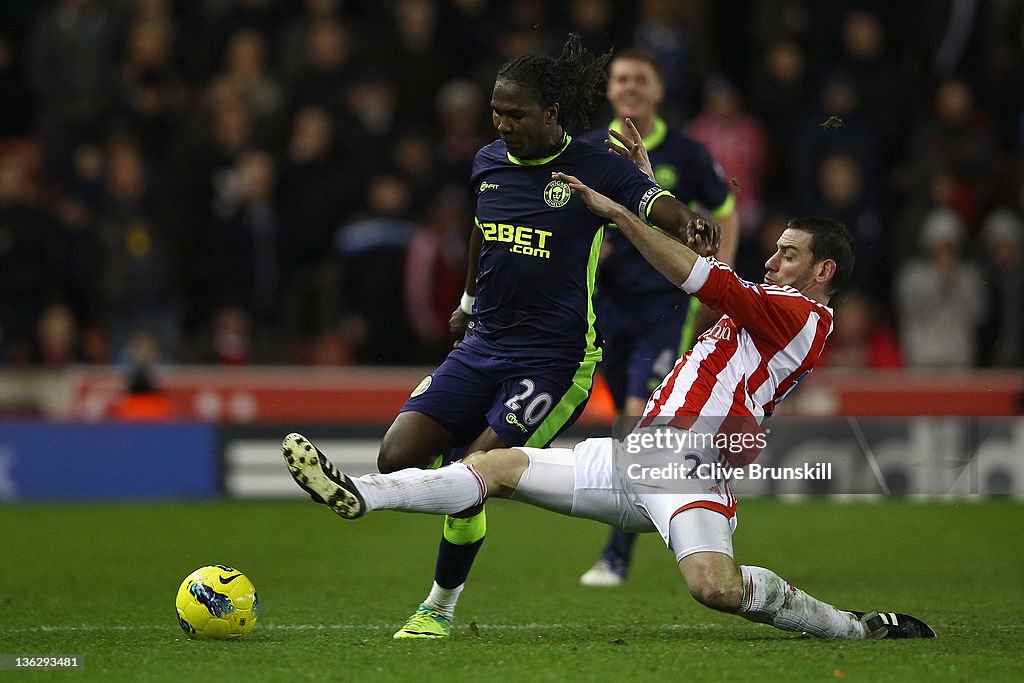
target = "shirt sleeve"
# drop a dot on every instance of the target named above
(774, 313)
(624, 182)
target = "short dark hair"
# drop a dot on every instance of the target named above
(640, 54)
(829, 240)
(574, 80)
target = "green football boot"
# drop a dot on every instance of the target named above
(425, 623)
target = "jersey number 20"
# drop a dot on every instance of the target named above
(536, 408)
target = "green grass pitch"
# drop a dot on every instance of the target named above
(99, 581)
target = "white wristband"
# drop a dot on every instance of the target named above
(467, 303)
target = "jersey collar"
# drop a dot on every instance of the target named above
(656, 137)
(537, 162)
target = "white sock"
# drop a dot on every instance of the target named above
(768, 599)
(443, 599)
(443, 491)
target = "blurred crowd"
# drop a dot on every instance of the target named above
(286, 181)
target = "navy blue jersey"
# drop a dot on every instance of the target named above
(538, 259)
(685, 168)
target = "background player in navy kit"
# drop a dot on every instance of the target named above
(524, 369)
(645, 321)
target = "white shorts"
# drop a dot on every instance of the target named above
(585, 482)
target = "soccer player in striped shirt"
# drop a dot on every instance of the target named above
(645, 321)
(768, 339)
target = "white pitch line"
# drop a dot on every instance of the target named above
(484, 627)
(332, 627)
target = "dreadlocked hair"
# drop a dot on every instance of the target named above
(573, 80)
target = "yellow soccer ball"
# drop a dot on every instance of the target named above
(218, 603)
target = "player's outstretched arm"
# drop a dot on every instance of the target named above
(666, 212)
(670, 257)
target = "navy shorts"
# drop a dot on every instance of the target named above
(527, 402)
(643, 337)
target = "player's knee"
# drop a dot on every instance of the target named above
(500, 468)
(397, 452)
(387, 458)
(713, 582)
(715, 594)
(394, 454)
(413, 440)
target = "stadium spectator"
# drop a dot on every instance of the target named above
(414, 55)
(738, 142)
(861, 338)
(294, 38)
(151, 95)
(71, 70)
(770, 20)
(955, 138)
(319, 194)
(371, 116)
(884, 96)
(136, 253)
(143, 400)
(597, 24)
(324, 72)
(470, 28)
(840, 195)
(413, 157)
(203, 165)
(937, 193)
(228, 18)
(1003, 70)
(435, 271)
(940, 298)
(834, 125)
(57, 337)
(247, 241)
(779, 96)
(231, 340)
(74, 265)
(459, 107)
(658, 31)
(245, 73)
(372, 246)
(26, 240)
(1002, 337)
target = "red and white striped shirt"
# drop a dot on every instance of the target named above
(767, 341)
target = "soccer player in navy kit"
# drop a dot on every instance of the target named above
(647, 323)
(523, 370)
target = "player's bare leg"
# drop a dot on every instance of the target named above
(760, 595)
(714, 580)
(412, 440)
